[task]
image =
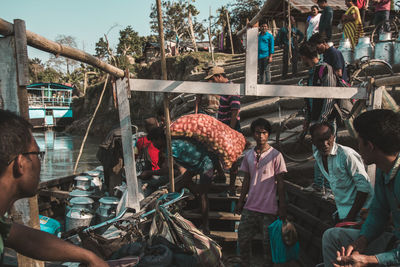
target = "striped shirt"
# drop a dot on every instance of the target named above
(227, 103)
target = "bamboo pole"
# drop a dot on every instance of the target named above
(90, 124)
(209, 36)
(289, 37)
(41, 43)
(166, 99)
(230, 32)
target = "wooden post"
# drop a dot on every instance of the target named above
(192, 31)
(251, 61)
(166, 100)
(127, 144)
(209, 36)
(289, 37)
(230, 32)
(25, 211)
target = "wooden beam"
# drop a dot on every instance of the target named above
(41, 43)
(239, 89)
(127, 145)
(251, 61)
(388, 81)
(8, 75)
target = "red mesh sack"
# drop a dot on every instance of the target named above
(219, 138)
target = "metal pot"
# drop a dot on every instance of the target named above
(347, 51)
(80, 193)
(397, 51)
(83, 182)
(80, 213)
(107, 208)
(384, 48)
(364, 48)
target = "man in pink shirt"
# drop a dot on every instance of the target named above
(263, 168)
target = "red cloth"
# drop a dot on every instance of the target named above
(361, 3)
(142, 143)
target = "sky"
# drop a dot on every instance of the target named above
(87, 20)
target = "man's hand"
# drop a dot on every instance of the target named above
(239, 207)
(270, 60)
(347, 259)
(145, 175)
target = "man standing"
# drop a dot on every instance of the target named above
(263, 168)
(19, 178)
(228, 113)
(265, 51)
(344, 170)
(382, 13)
(379, 143)
(283, 41)
(331, 55)
(325, 23)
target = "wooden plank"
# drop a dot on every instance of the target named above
(213, 215)
(238, 89)
(61, 194)
(251, 61)
(8, 75)
(21, 52)
(127, 145)
(230, 236)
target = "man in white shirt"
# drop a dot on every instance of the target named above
(343, 168)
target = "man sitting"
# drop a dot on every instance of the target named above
(19, 178)
(344, 170)
(379, 143)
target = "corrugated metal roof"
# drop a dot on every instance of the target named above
(304, 6)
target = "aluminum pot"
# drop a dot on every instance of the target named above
(384, 48)
(83, 182)
(397, 52)
(80, 213)
(364, 48)
(347, 51)
(107, 209)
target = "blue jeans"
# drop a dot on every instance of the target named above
(264, 71)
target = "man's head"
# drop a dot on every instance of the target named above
(150, 123)
(314, 10)
(323, 138)
(308, 53)
(350, 3)
(263, 27)
(260, 128)
(378, 131)
(157, 137)
(322, 3)
(319, 42)
(19, 155)
(216, 75)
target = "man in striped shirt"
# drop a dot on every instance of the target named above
(228, 113)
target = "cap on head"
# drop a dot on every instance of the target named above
(214, 71)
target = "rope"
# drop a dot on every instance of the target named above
(90, 124)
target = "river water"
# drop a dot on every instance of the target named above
(62, 151)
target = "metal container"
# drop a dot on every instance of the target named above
(80, 193)
(364, 48)
(384, 48)
(80, 213)
(347, 51)
(396, 59)
(107, 208)
(83, 182)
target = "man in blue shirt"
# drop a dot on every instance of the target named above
(379, 143)
(331, 55)
(265, 51)
(283, 42)
(325, 22)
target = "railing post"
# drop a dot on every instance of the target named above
(251, 61)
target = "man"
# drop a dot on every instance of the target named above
(19, 178)
(283, 42)
(318, 109)
(228, 113)
(382, 13)
(325, 23)
(344, 170)
(263, 169)
(331, 55)
(265, 51)
(378, 143)
(195, 159)
(146, 149)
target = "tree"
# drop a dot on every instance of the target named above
(129, 43)
(58, 62)
(35, 67)
(242, 10)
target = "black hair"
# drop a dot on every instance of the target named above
(156, 133)
(15, 137)
(317, 38)
(321, 124)
(315, 6)
(308, 50)
(266, 125)
(382, 128)
(322, 1)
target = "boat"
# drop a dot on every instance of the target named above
(49, 104)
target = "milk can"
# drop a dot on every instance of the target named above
(363, 48)
(345, 48)
(80, 213)
(83, 182)
(397, 51)
(384, 48)
(97, 178)
(107, 208)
